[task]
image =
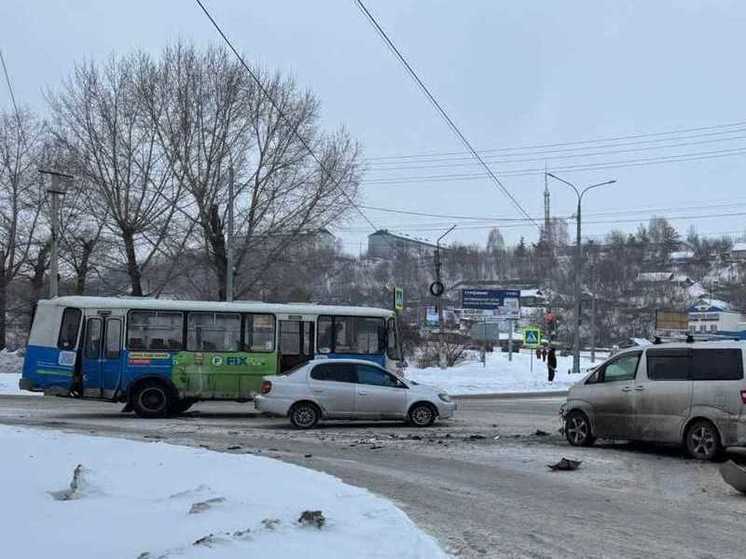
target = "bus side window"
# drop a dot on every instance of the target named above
(68, 337)
(325, 338)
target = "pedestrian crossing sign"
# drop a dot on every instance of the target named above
(531, 337)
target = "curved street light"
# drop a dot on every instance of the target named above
(578, 262)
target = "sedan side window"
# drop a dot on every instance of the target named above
(334, 372)
(623, 369)
(375, 376)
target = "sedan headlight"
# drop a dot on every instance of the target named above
(445, 397)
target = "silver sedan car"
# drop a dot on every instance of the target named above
(350, 389)
(692, 394)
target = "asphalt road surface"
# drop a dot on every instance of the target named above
(479, 483)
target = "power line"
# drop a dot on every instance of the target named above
(614, 164)
(294, 126)
(12, 96)
(452, 125)
(450, 164)
(594, 141)
(642, 211)
(430, 227)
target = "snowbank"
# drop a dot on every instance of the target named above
(134, 500)
(11, 364)
(11, 361)
(500, 375)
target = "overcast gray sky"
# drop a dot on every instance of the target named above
(511, 74)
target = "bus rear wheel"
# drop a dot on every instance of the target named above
(151, 399)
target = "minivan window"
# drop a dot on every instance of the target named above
(668, 364)
(623, 368)
(716, 364)
(334, 372)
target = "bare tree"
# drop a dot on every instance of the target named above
(21, 137)
(101, 121)
(210, 115)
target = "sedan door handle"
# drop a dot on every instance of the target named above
(626, 389)
(639, 388)
(360, 393)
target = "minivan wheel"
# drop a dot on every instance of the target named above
(304, 415)
(422, 415)
(578, 429)
(702, 440)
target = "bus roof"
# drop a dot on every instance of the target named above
(146, 303)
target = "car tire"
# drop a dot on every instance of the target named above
(180, 406)
(151, 399)
(304, 415)
(422, 415)
(578, 429)
(702, 440)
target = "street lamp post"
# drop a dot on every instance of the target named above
(578, 263)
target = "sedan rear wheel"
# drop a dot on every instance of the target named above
(578, 429)
(703, 440)
(304, 415)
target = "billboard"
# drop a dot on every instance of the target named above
(499, 303)
(672, 321)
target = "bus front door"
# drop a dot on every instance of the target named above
(296, 343)
(102, 349)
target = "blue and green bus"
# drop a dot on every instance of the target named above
(159, 356)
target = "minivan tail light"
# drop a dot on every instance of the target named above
(267, 386)
(743, 396)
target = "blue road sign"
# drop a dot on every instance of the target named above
(504, 303)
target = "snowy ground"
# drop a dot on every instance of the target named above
(11, 363)
(501, 375)
(152, 500)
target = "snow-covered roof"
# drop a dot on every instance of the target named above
(739, 247)
(696, 290)
(709, 304)
(146, 303)
(681, 255)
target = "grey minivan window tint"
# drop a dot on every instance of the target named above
(335, 372)
(717, 364)
(668, 364)
(623, 368)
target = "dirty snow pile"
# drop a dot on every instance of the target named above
(152, 500)
(500, 375)
(11, 364)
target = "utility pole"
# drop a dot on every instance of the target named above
(578, 264)
(229, 241)
(594, 285)
(437, 289)
(55, 191)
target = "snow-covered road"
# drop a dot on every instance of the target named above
(154, 500)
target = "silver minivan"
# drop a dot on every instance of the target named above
(691, 394)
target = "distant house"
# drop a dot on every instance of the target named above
(665, 277)
(738, 252)
(713, 316)
(386, 245)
